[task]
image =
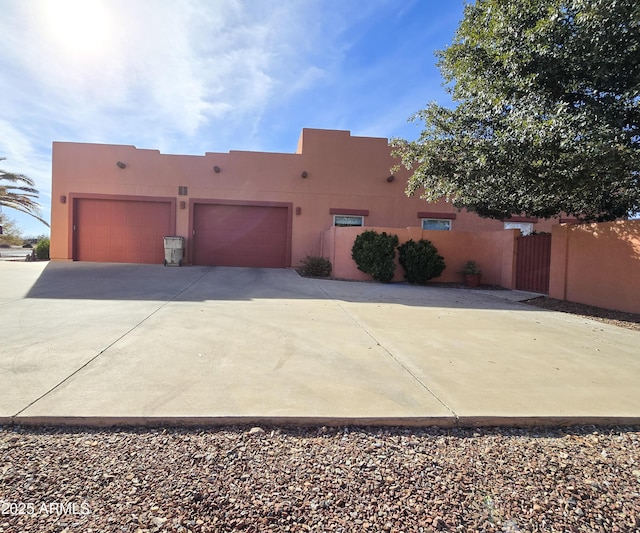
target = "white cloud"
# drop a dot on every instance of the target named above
(23, 158)
(176, 63)
(167, 67)
(14, 145)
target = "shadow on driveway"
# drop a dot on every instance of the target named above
(116, 281)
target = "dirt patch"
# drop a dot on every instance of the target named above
(616, 318)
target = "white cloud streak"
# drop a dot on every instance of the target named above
(178, 64)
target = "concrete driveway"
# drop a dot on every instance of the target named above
(114, 343)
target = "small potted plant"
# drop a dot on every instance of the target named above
(472, 274)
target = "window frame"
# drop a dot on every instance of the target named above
(361, 217)
(447, 221)
(519, 225)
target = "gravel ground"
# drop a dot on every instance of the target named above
(320, 479)
(616, 318)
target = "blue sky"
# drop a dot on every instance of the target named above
(196, 76)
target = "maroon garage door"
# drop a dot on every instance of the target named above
(241, 235)
(120, 231)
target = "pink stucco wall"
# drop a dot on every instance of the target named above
(343, 172)
(492, 250)
(597, 264)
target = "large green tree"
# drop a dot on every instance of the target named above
(546, 116)
(18, 192)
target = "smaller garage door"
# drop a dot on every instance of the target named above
(121, 231)
(241, 235)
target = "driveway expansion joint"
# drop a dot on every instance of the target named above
(388, 352)
(130, 330)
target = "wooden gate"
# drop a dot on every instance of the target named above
(533, 261)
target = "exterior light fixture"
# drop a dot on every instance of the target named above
(120, 164)
(216, 169)
(304, 174)
(63, 199)
(298, 210)
(391, 178)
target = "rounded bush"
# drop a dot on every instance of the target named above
(421, 261)
(374, 253)
(42, 250)
(314, 266)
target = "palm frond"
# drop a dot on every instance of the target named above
(18, 192)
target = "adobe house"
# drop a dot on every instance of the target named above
(115, 203)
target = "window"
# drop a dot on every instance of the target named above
(342, 221)
(525, 227)
(436, 223)
(348, 217)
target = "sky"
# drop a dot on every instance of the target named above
(196, 76)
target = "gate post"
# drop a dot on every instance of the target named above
(508, 270)
(559, 259)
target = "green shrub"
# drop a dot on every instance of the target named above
(471, 268)
(314, 266)
(374, 253)
(420, 261)
(42, 249)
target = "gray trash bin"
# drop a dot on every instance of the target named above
(173, 250)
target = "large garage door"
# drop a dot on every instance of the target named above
(240, 235)
(121, 231)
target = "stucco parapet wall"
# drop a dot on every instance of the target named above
(492, 250)
(110, 147)
(597, 264)
(311, 137)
